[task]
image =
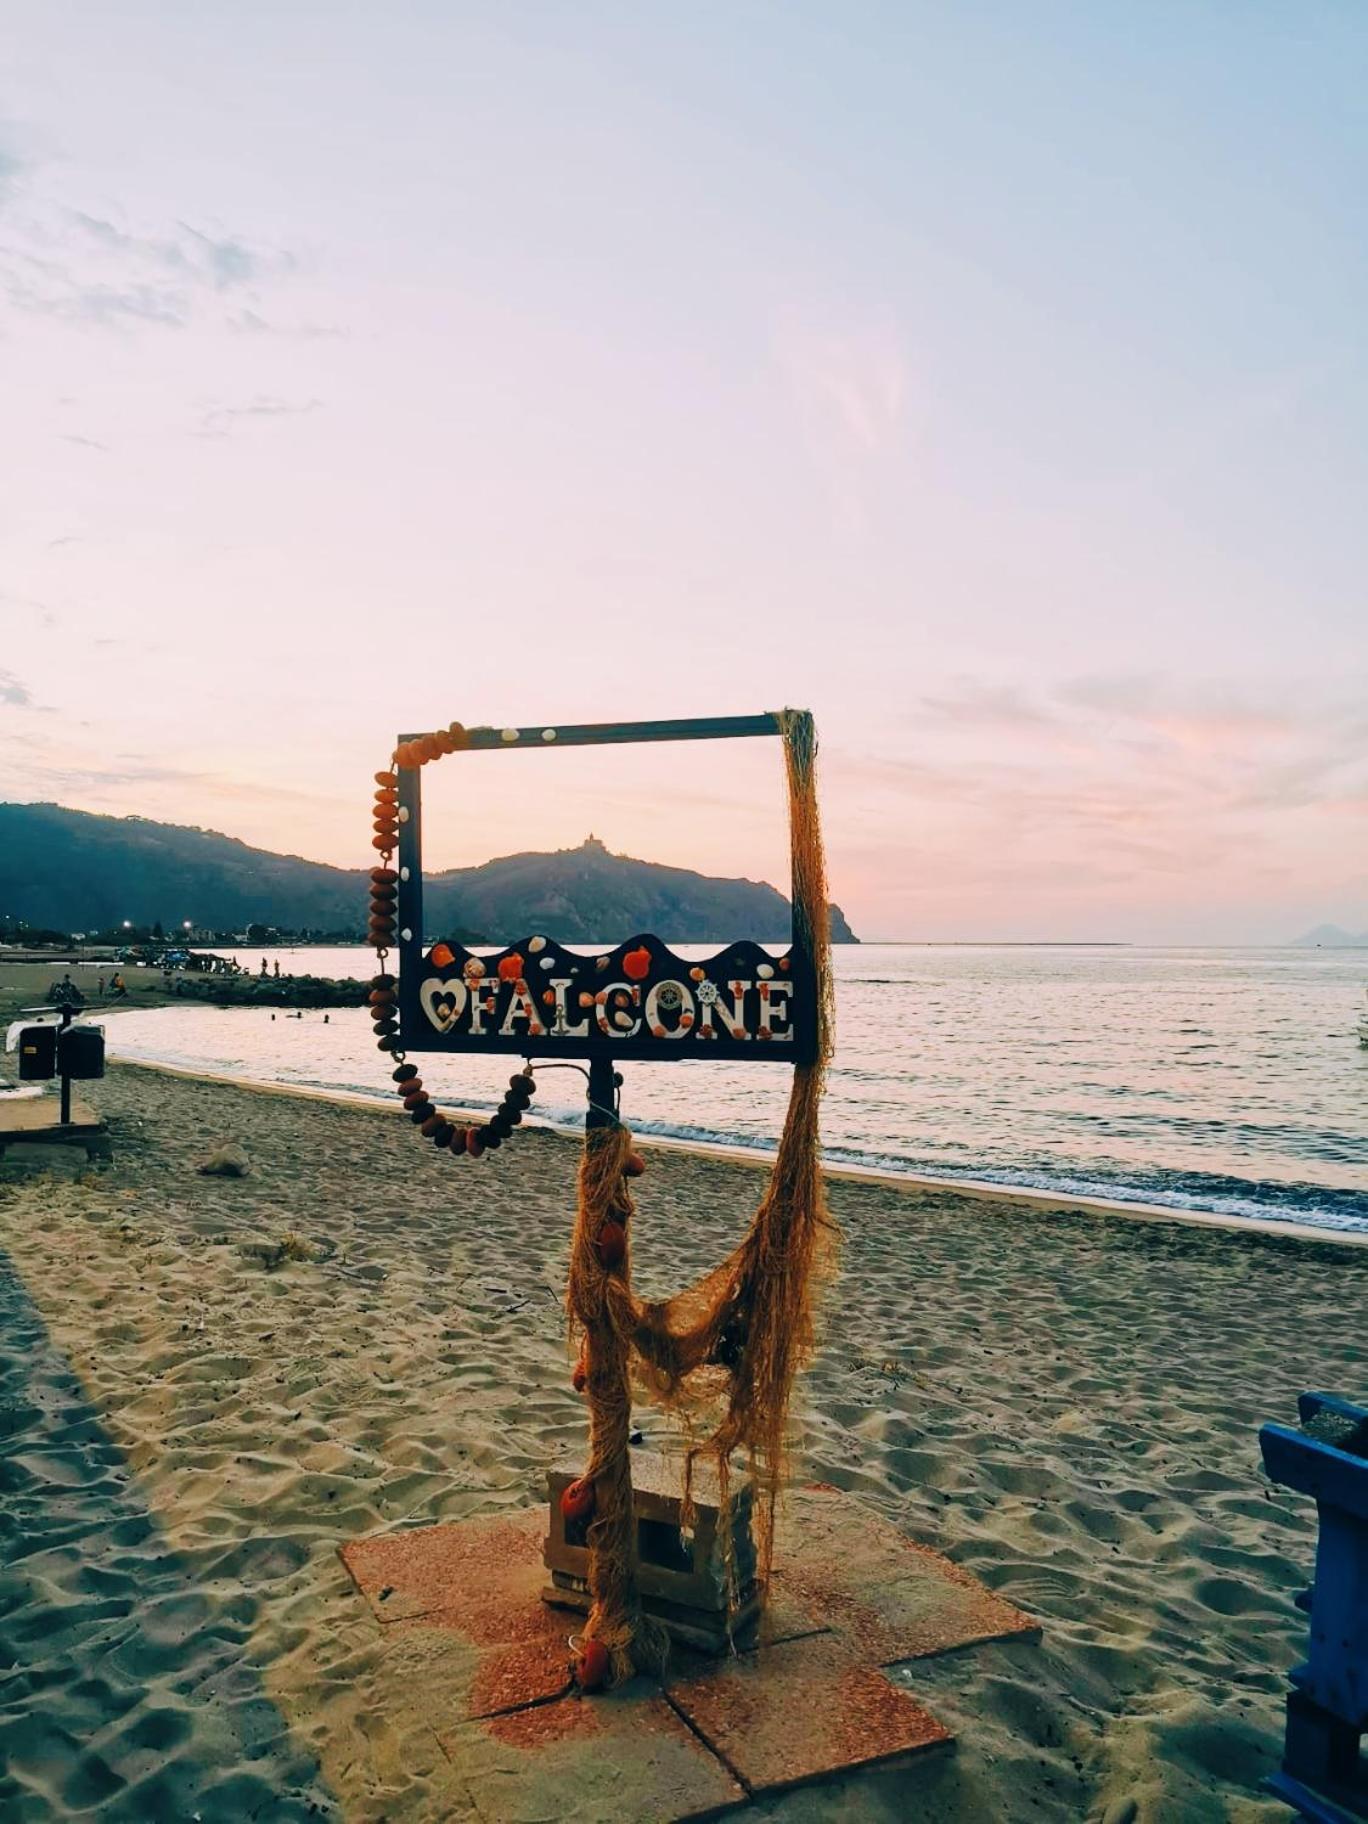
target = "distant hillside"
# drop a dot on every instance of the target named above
(74, 871)
(583, 894)
(1331, 937)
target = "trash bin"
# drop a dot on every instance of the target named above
(37, 1053)
(81, 1052)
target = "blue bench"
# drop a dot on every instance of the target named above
(1323, 1774)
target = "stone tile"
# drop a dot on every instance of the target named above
(783, 1716)
(454, 1680)
(889, 1597)
(625, 1756)
(490, 1569)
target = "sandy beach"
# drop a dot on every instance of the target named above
(211, 1384)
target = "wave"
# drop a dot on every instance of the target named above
(1210, 1193)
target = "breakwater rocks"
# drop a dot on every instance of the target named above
(270, 990)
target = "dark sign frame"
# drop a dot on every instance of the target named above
(636, 999)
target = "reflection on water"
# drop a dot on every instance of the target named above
(1228, 1080)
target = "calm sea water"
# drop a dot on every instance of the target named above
(1223, 1080)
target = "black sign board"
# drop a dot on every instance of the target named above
(636, 999)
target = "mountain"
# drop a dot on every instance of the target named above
(73, 871)
(585, 894)
(1331, 937)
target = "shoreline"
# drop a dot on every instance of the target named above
(911, 1183)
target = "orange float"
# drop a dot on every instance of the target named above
(577, 1501)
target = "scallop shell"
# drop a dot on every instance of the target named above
(536, 944)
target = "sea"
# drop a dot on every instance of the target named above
(1222, 1080)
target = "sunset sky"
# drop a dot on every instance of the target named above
(990, 379)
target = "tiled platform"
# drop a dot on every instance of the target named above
(471, 1648)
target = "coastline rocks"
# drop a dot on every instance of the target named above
(226, 1161)
(271, 991)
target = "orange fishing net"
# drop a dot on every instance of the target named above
(722, 1353)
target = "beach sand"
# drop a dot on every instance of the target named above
(1066, 1404)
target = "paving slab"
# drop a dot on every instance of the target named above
(784, 1716)
(890, 1597)
(462, 1611)
(625, 1756)
(491, 1568)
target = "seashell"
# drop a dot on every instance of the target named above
(586, 1000)
(536, 944)
(636, 965)
(442, 956)
(474, 968)
(511, 967)
(549, 998)
(696, 974)
(508, 734)
(600, 962)
(548, 734)
(403, 813)
(548, 962)
(784, 963)
(686, 1020)
(764, 971)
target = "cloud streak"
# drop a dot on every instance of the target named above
(219, 420)
(73, 267)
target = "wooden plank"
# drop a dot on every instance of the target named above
(36, 1117)
(601, 734)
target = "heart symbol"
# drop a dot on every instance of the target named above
(442, 1002)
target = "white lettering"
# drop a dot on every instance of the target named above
(522, 1007)
(433, 997)
(562, 1026)
(682, 1010)
(779, 1012)
(613, 1018)
(733, 1018)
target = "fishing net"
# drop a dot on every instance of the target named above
(724, 1352)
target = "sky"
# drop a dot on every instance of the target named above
(989, 379)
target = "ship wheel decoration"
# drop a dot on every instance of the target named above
(723, 1353)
